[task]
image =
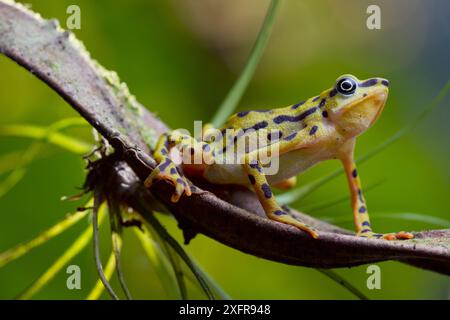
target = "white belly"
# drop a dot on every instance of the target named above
(289, 165)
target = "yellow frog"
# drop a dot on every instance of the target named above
(297, 136)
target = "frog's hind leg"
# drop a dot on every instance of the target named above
(267, 199)
(360, 214)
(286, 184)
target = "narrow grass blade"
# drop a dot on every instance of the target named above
(302, 191)
(432, 220)
(160, 262)
(116, 239)
(21, 249)
(97, 291)
(96, 243)
(344, 283)
(211, 282)
(165, 236)
(234, 96)
(328, 204)
(61, 140)
(77, 246)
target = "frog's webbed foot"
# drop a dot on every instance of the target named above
(402, 235)
(284, 217)
(168, 171)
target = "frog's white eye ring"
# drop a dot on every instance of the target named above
(346, 86)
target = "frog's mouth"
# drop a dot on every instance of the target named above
(361, 114)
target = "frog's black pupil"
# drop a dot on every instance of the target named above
(346, 86)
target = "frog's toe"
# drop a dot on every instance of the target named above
(181, 187)
(402, 235)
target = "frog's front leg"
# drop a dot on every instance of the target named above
(167, 169)
(360, 213)
(253, 169)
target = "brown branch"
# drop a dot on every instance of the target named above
(231, 216)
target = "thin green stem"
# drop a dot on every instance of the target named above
(96, 243)
(97, 291)
(23, 248)
(344, 283)
(233, 97)
(160, 262)
(165, 236)
(50, 134)
(78, 245)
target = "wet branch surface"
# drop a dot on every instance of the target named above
(232, 216)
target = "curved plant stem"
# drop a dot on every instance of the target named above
(23, 248)
(347, 285)
(78, 245)
(331, 203)
(232, 99)
(51, 134)
(96, 243)
(302, 191)
(97, 291)
(165, 236)
(408, 216)
(160, 262)
(116, 239)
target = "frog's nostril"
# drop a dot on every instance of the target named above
(384, 82)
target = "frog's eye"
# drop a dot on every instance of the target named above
(346, 86)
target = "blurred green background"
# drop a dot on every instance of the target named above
(180, 58)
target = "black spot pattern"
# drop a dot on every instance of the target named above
(295, 106)
(325, 114)
(173, 171)
(206, 147)
(257, 126)
(313, 130)
(290, 137)
(165, 164)
(266, 189)
(322, 103)
(369, 83)
(333, 93)
(354, 173)
(385, 83)
(366, 224)
(284, 118)
(360, 195)
(362, 209)
(279, 213)
(252, 179)
(256, 166)
(242, 114)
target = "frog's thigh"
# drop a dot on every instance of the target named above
(286, 184)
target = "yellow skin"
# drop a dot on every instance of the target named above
(321, 128)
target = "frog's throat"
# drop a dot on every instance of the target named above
(359, 115)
